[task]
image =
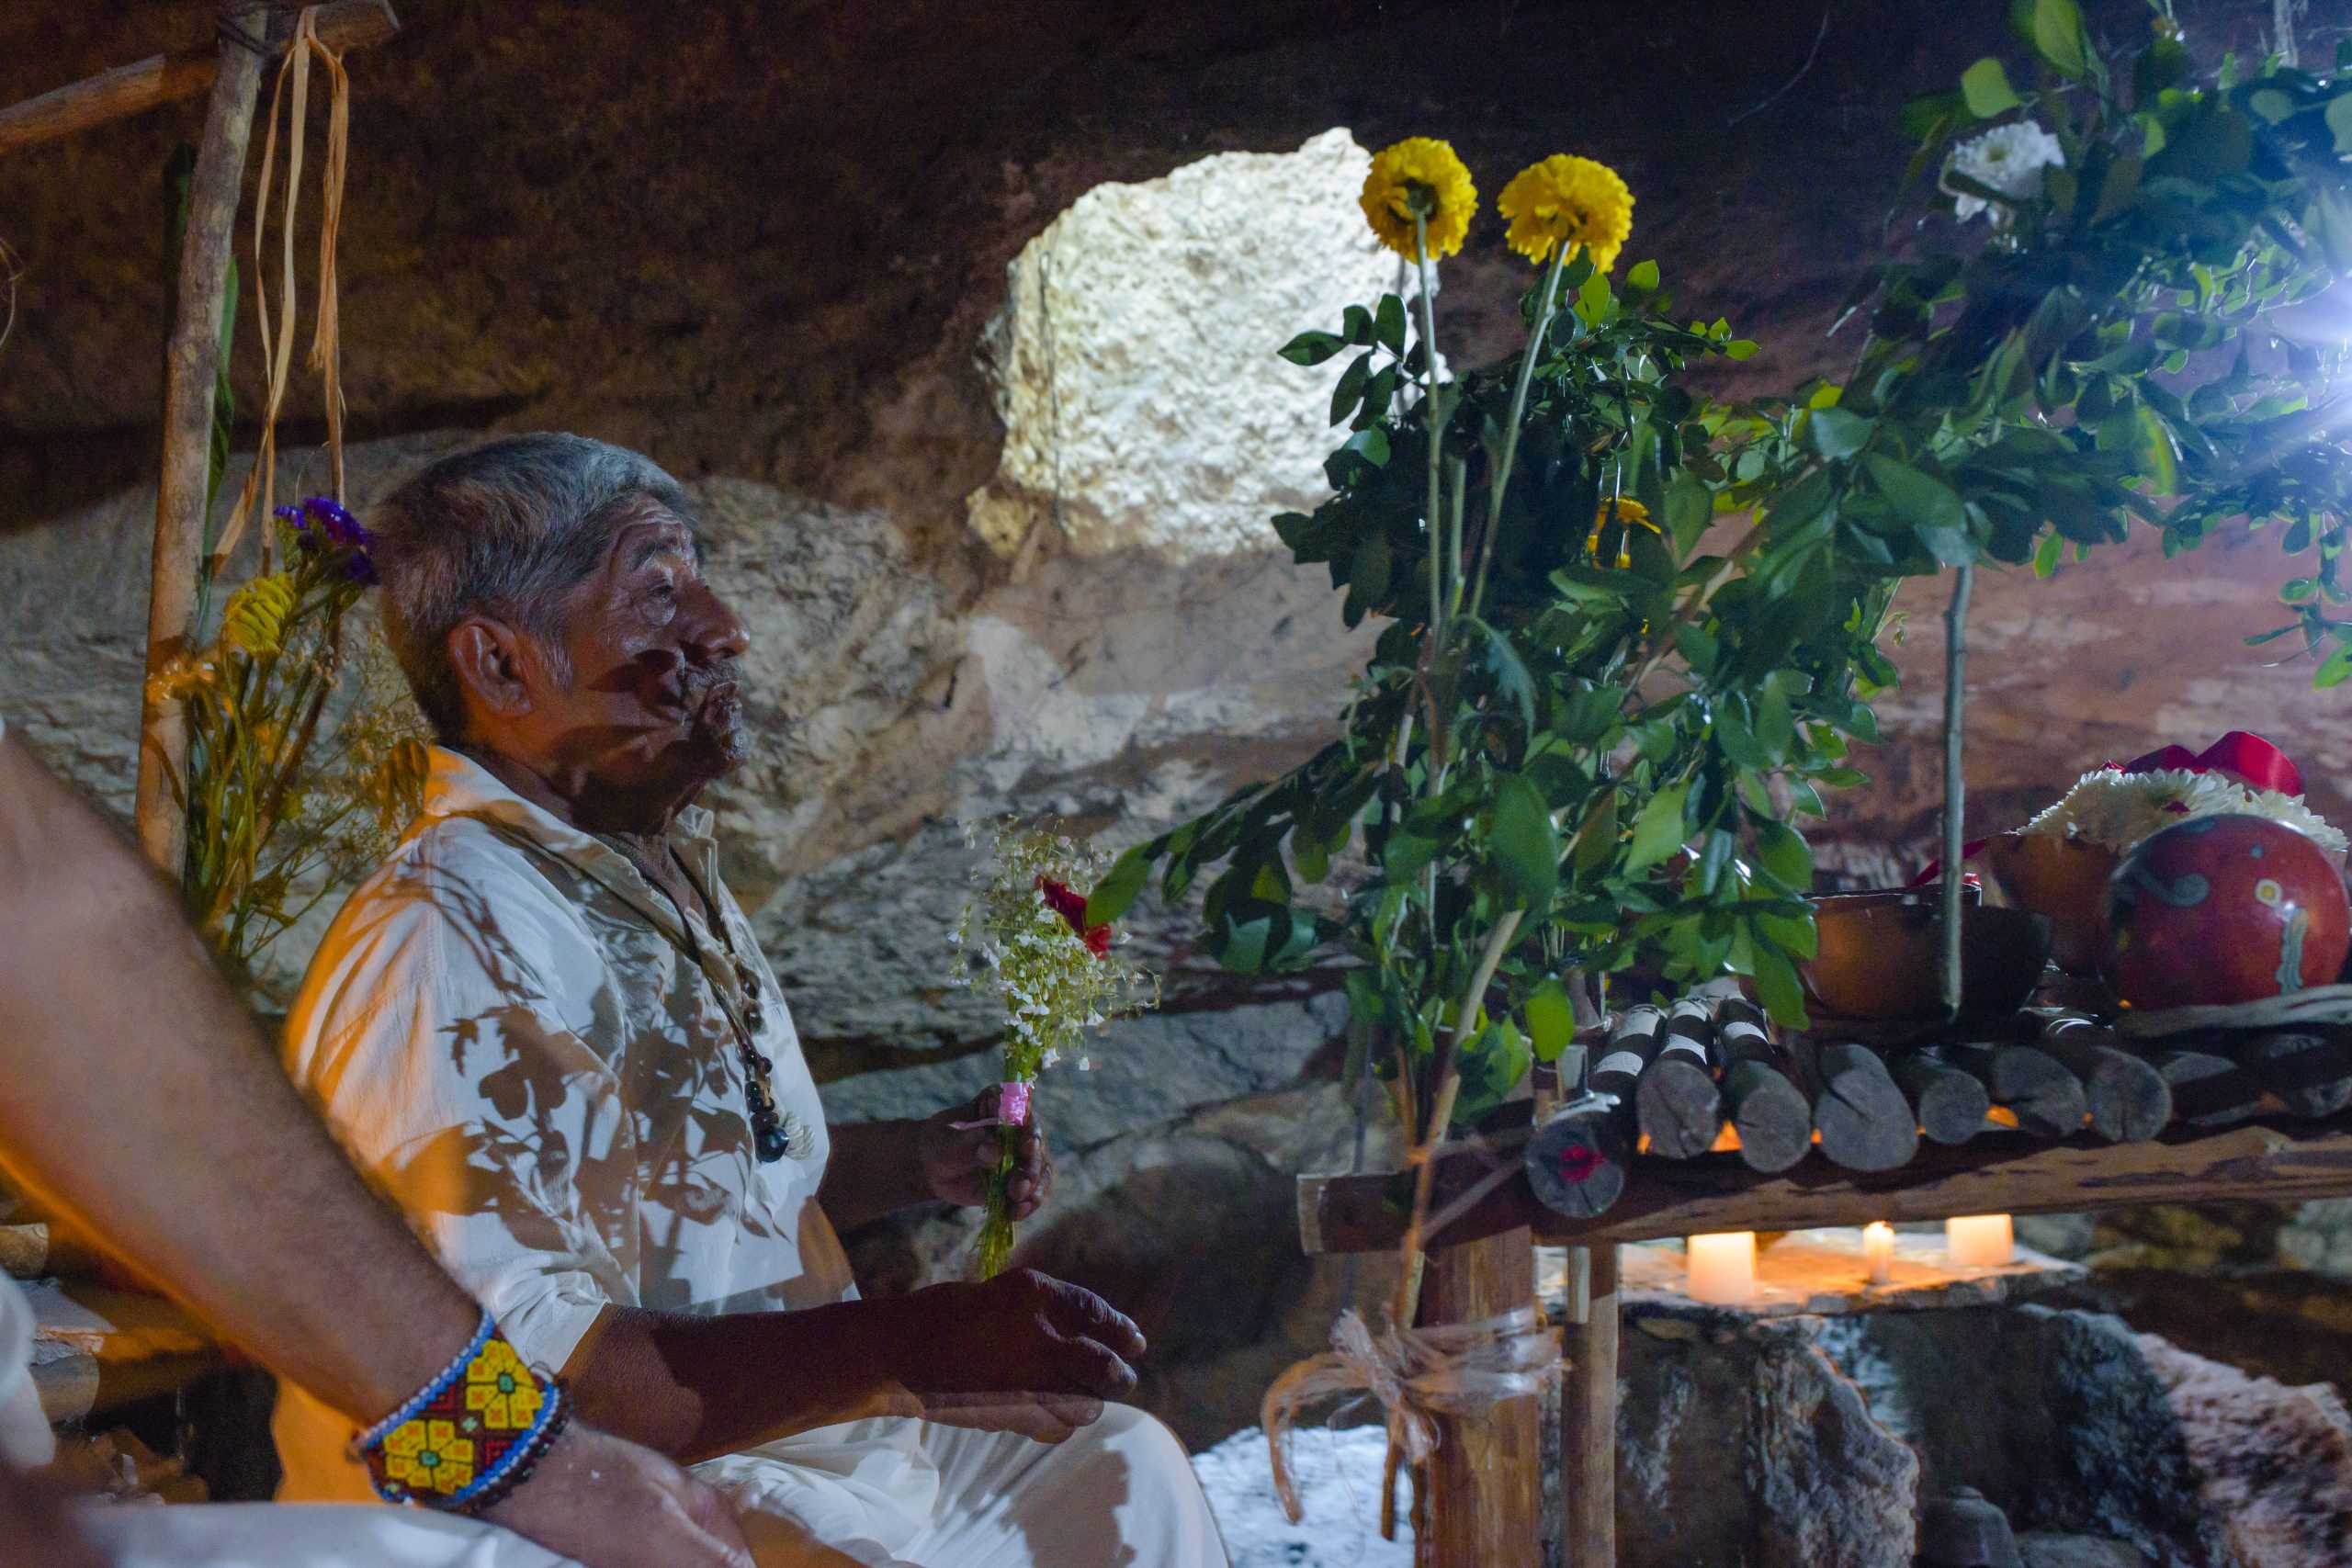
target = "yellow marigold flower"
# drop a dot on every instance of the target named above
(1570, 201)
(1423, 171)
(1628, 512)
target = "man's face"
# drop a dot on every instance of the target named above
(639, 708)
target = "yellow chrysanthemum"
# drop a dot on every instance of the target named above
(1418, 170)
(1571, 201)
(1629, 514)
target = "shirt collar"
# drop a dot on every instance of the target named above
(456, 785)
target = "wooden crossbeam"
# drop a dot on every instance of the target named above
(1995, 1173)
(167, 78)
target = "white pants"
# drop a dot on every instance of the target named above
(302, 1535)
(894, 1493)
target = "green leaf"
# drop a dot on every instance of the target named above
(1116, 892)
(1364, 1001)
(1311, 348)
(1491, 1066)
(1740, 348)
(2339, 121)
(1985, 87)
(2054, 28)
(1511, 677)
(1780, 851)
(1596, 840)
(2334, 667)
(1834, 432)
(1592, 300)
(1527, 849)
(1927, 506)
(1550, 1021)
(1388, 324)
(1658, 833)
(1350, 390)
(1642, 279)
(1777, 988)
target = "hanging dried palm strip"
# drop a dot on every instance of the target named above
(277, 342)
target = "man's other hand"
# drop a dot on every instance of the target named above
(1020, 1332)
(957, 1159)
(607, 1503)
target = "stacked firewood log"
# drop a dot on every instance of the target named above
(1708, 1074)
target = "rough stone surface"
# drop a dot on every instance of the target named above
(2275, 1462)
(2054, 1416)
(1133, 359)
(2048, 1549)
(1752, 1449)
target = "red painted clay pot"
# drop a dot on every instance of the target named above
(2220, 910)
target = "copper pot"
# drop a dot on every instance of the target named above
(1880, 955)
(2062, 878)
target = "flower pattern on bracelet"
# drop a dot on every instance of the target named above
(470, 1436)
(429, 1457)
(499, 1390)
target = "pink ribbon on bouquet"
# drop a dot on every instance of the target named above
(1012, 1109)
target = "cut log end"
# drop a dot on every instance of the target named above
(1864, 1122)
(1680, 1108)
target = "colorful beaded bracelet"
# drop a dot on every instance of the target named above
(470, 1436)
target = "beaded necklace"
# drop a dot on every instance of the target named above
(776, 1132)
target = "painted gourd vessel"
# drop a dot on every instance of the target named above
(2221, 911)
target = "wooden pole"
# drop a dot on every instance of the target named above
(1955, 881)
(167, 78)
(191, 372)
(1483, 1504)
(1589, 1412)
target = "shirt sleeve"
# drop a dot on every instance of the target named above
(429, 1036)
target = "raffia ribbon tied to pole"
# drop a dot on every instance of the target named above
(1418, 1375)
(277, 342)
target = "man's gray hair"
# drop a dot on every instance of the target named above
(503, 531)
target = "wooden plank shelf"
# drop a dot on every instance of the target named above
(2279, 1160)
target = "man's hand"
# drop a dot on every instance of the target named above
(1020, 1332)
(609, 1504)
(957, 1164)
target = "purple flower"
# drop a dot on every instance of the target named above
(340, 525)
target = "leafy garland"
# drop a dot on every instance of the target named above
(1583, 735)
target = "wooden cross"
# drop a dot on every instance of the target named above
(251, 32)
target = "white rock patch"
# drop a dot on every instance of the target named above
(1135, 362)
(1338, 1474)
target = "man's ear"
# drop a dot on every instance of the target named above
(488, 658)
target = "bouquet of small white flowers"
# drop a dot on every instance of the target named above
(1025, 938)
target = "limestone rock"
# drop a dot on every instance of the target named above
(1755, 1450)
(2048, 1549)
(1134, 361)
(2054, 1416)
(2274, 1462)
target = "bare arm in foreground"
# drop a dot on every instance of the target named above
(140, 1102)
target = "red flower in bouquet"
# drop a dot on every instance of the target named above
(1070, 905)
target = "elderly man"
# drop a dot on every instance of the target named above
(545, 1028)
(138, 1099)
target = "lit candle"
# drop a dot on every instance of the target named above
(1723, 1268)
(1980, 1241)
(1878, 1250)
